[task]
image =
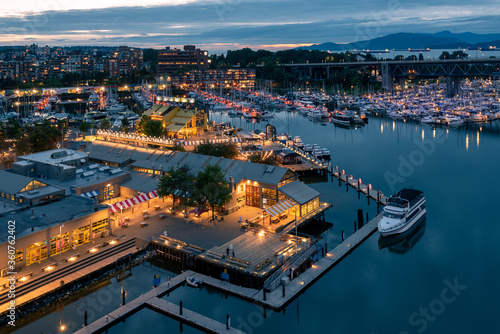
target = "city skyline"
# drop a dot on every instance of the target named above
(223, 25)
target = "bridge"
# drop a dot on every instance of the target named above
(452, 69)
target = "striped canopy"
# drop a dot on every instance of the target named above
(91, 194)
(133, 201)
(280, 207)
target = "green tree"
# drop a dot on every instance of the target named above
(399, 57)
(105, 124)
(459, 55)
(420, 57)
(125, 124)
(211, 187)
(445, 55)
(258, 159)
(84, 127)
(226, 150)
(44, 137)
(176, 179)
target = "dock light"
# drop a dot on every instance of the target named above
(22, 279)
(93, 250)
(71, 259)
(112, 242)
(289, 241)
(49, 268)
(62, 328)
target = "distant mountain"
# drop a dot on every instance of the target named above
(440, 40)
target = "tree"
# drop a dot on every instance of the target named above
(258, 159)
(459, 55)
(148, 127)
(43, 137)
(420, 57)
(125, 124)
(176, 179)
(105, 124)
(445, 55)
(211, 187)
(399, 57)
(226, 150)
(84, 127)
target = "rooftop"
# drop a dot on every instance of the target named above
(12, 183)
(57, 156)
(299, 192)
(50, 214)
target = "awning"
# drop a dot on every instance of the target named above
(122, 205)
(91, 194)
(280, 207)
(133, 201)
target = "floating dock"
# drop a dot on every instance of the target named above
(152, 300)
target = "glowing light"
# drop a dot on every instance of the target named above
(467, 142)
(49, 268)
(71, 259)
(477, 139)
(433, 133)
(112, 242)
(93, 250)
(381, 128)
(423, 135)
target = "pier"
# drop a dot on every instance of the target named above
(276, 299)
(152, 300)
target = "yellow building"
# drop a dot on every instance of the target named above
(182, 123)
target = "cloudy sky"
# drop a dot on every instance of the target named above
(221, 25)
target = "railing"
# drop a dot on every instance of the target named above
(275, 279)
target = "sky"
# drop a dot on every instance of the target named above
(221, 25)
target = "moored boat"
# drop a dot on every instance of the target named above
(402, 211)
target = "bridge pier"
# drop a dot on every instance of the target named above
(386, 77)
(452, 86)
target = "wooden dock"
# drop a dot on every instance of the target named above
(358, 184)
(274, 299)
(152, 300)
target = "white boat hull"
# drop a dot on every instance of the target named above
(403, 228)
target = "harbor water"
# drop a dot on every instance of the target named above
(441, 278)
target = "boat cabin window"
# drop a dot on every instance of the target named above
(397, 202)
(393, 215)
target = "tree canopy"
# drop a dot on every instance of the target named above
(211, 187)
(175, 179)
(226, 150)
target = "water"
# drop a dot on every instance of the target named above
(99, 302)
(403, 288)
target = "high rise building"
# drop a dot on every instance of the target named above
(173, 60)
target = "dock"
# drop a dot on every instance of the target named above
(152, 300)
(274, 299)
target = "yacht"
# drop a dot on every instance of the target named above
(341, 118)
(308, 148)
(326, 154)
(402, 211)
(297, 142)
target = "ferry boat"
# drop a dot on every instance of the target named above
(402, 211)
